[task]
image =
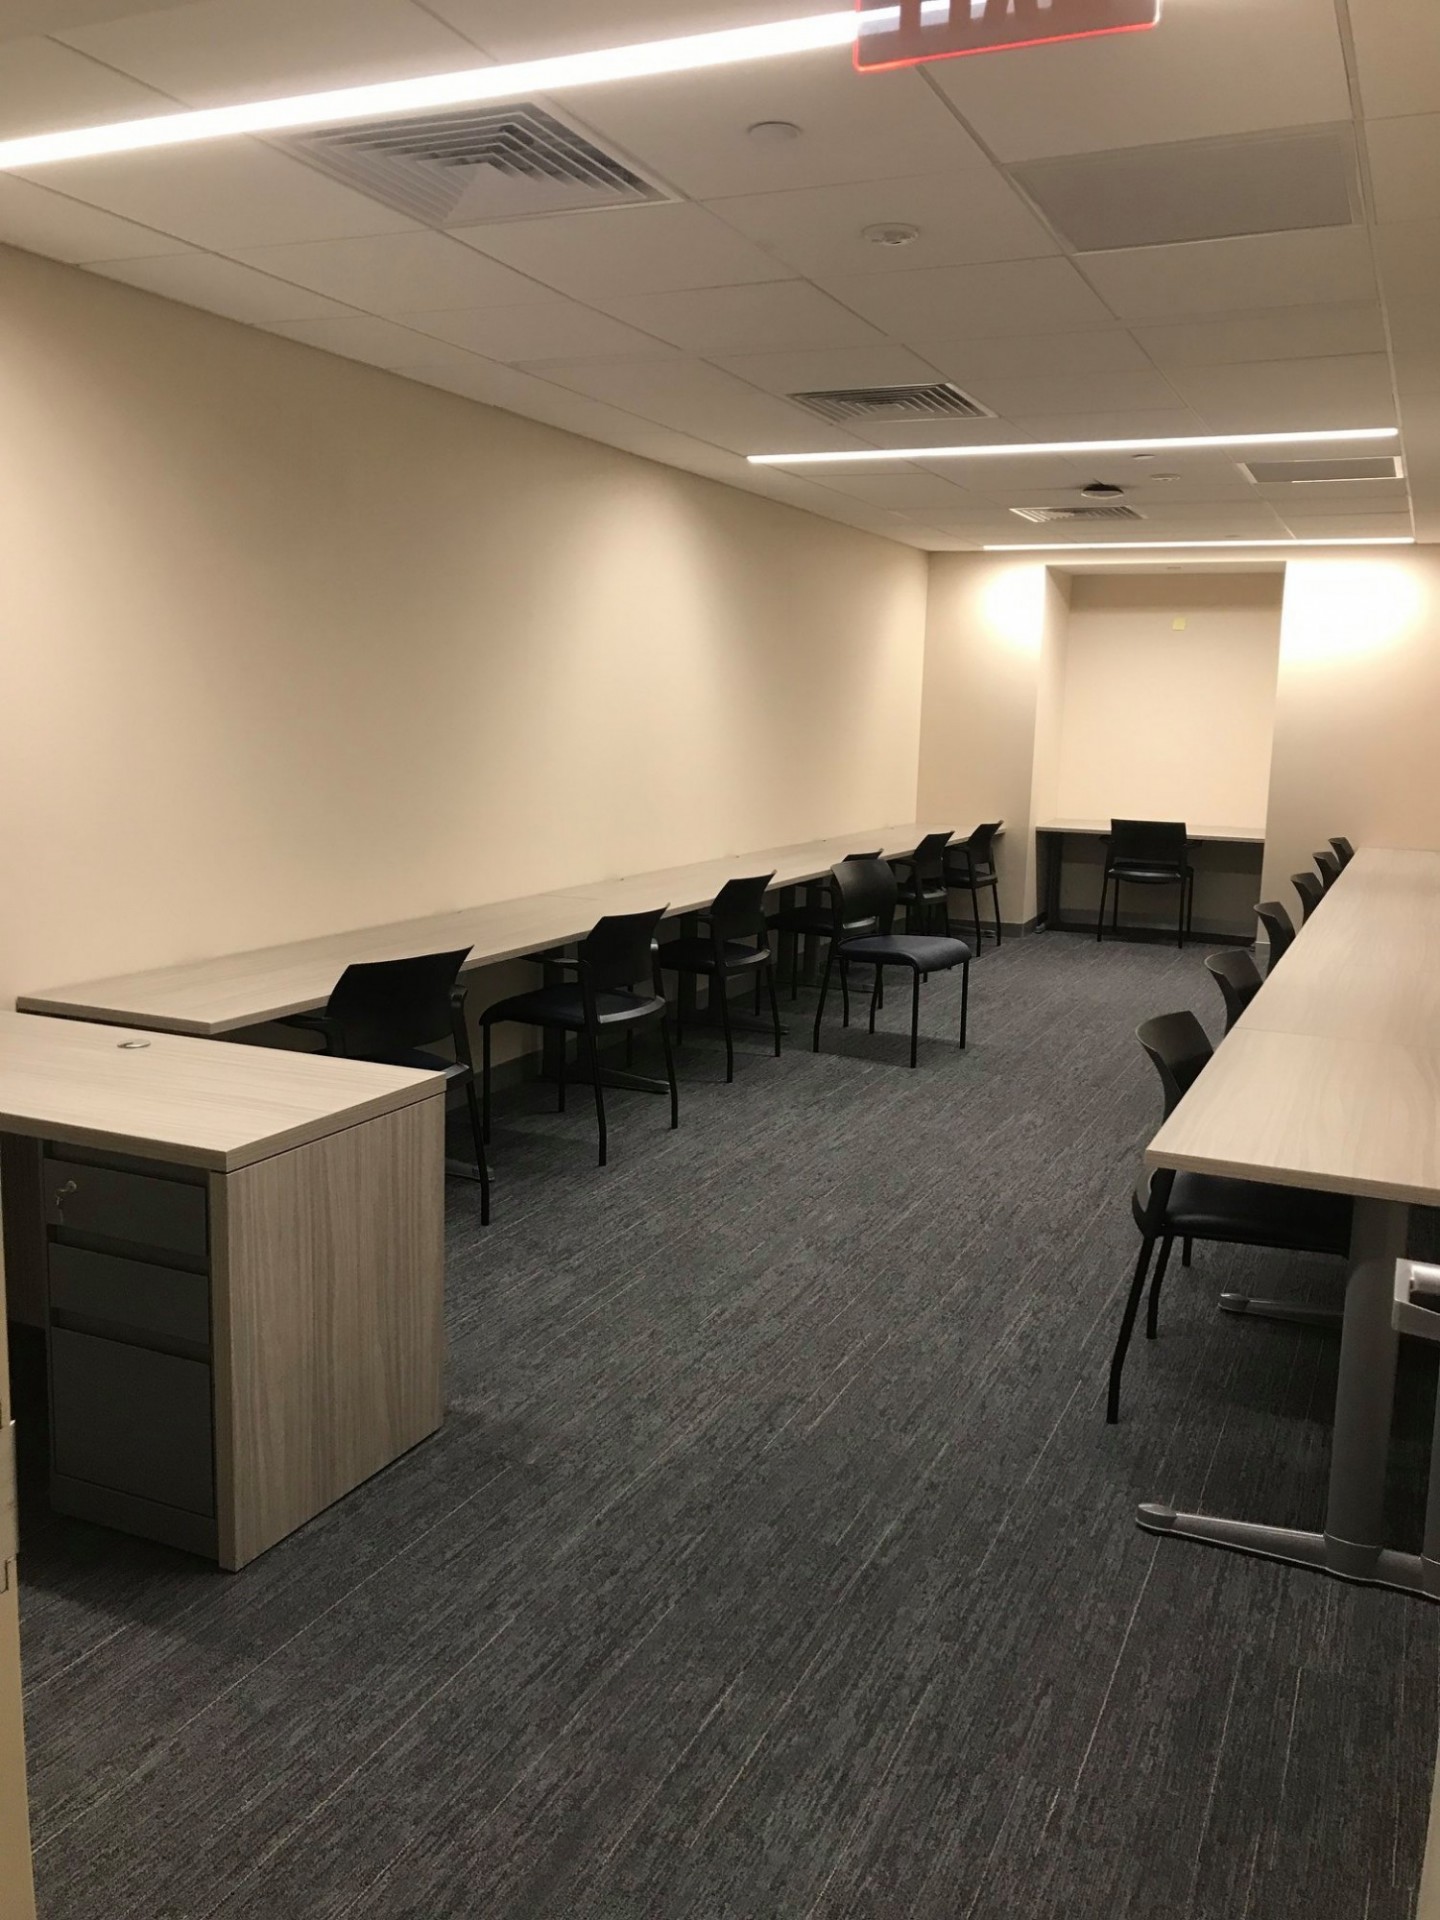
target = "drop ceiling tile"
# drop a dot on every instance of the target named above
(1397, 46)
(695, 398)
(1234, 276)
(359, 337)
(902, 492)
(523, 30)
(216, 51)
(1285, 333)
(551, 329)
(1409, 257)
(1021, 396)
(222, 286)
(1152, 424)
(663, 248)
(1418, 374)
(1338, 526)
(22, 17)
(1291, 395)
(777, 315)
(44, 87)
(815, 372)
(972, 361)
(1404, 166)
(397, 273)
(923, 434)
(1213, 67)
(1368, 496)
(226, 198)
(48, 223)
(966, 214)
(980, 302)
(693, 129)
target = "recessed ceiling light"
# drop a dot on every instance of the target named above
(891, 235)
(1174, 546)
(690, 54)
(1183, 444)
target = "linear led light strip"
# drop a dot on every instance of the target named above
(1182, 444)
(1177, 546)
(692, 54)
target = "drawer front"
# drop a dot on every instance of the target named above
(138, 1207)
(136, 1421)
(156, 1301)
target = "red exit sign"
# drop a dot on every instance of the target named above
(902, 33)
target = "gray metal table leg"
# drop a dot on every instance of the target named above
(1351, 1546)
(1293, 1313)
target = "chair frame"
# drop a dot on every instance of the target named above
(1115, 865)
(1237, 995)
(728, 923)
(972, 878)
(885, 918)
(1311, 892)
(925, 867)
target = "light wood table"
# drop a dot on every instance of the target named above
(1051, 837)
(225, 994)
(238, 1258)
(1331, 1079)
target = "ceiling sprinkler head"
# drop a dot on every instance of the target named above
(1103, 490)
(891, 234)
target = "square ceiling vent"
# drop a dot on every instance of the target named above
(1051, 516)
(462, 168)
(938, 401)
(1198, 189)
(1320, 473)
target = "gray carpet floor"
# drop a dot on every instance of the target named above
(775, 1562)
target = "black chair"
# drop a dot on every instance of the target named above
(1239, 980)
(813, 920)
(1148, 853)
(391, 1012)
(724, 953)
(1311, 893)
(1280, 928)
(970, 867)
(866, 891)
(1172, 1206)
(920, 877)
(614, 957)
(1344, 852)
(1329, 865)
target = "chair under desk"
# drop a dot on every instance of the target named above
(237, 1259)
(1064, 844)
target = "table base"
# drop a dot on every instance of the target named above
(1410, 1573)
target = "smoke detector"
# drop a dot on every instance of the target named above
(891, 234)
(1102, 490)
(774, 133)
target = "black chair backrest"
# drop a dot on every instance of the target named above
(1280, 927)
(394, 1006)
(1180, 1049)
(1310, 891)
(865, 890)
(739, 908)
(1239, 981)
(1148, 843)
(980, 845)
(929, 857)
(618, 951)
(1344, 852)
(1329, 866)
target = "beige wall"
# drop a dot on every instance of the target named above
(1357, 726)
(288, 644)
(1160, 724)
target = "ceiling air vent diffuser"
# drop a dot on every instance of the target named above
(457, 169)
(1302, 473)
(1048, 516)
(939, 401)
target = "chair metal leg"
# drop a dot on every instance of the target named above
(999, 923)
(592, 1047)
(1127, 1327)
(845, 990)
(1187, 1249)
(1100, 923)
(481, 1165)
(562, 1074)
(975, 907)
(758, 972)
(1180, 929)
(1152, 1306)
(875, 997)
(769, 972)
(670, 1072)
(915, 1022)
(719, 984)
(485, 1068)
(964, 1002)
(824, 989)
(1115, 910)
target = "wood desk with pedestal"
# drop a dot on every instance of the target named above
(237, 1258)
(1331, 1079)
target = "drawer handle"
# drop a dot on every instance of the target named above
(60, 1193)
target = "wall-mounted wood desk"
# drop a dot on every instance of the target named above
(1057, 837)
(224, 995)
(238, 1258)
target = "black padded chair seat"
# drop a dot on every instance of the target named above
(698, 956)
(564, 1006)
(1250, 1213)
(926, 952)
(1148, 876)
(929, 895)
